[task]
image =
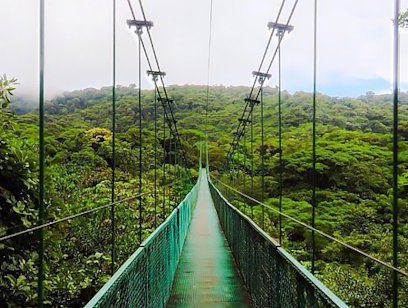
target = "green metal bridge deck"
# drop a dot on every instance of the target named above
(206, 275)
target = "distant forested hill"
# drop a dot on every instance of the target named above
(354, 164)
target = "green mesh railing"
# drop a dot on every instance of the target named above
(145, 279)
(272, 276)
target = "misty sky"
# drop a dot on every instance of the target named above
(354, 49)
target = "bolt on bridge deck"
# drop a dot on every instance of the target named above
(206, 275)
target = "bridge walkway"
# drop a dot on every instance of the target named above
(206, 275)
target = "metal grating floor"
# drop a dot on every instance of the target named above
(206, 275)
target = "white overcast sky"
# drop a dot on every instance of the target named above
(354, 43)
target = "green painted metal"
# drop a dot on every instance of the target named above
(280, 179)
(155, 157)
(252, 161)
(145, 279)
(41, 204)
(245, 156)
(262, 155)
(139, 33)
(170, 194)
(112, 209)
(314, 173)
(272, 277)
(206, 275)
(395, 193)
(164, 164)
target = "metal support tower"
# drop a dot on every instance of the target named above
(140, 24)
(261, 79)
(280, 32)
(155, 77)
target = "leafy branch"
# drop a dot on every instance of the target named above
(403, 20)
(7, 86)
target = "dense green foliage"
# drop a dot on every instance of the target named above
(78, 177)
(354, 183)
(354, 165)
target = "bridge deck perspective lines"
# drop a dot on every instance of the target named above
(206, 275)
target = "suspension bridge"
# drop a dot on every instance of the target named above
(197, 258)
(207, 252)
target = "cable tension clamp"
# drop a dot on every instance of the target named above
(281, 28)
(261, 76)
(155, 74)
(139, 24)
(165, 100)
(252, 101)
(244, 120)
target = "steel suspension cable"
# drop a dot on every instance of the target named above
(239, 167)
(41, 204)
(169, 113)
(176, 169)
(170, 172)
(252, 162)
(112, 212)
(152, 45)
(262, 158)
(237, 136)
(140, 137)
(208, 75)
(360, 252)
(54, 222)
(280, 180)
(164, 164)
(256, 77)
(395, 150)
(165, 115)
(279, 42)
(238, 172)
(234, 141)
(173, 131)
(155, 158)
(81, 209)
(73, 208)
(267, 46)
(245, 157)
(314, 173)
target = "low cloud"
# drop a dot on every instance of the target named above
(354, 43)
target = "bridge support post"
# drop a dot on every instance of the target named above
(262, 157)
(164, 165)
(314, 173)
(41, 204)
(280, 180)
(252, 163)
(155, 77)
(139, 32)
(112, 214)
(395, 152)
(261, 79)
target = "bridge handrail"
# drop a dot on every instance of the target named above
(130, 284)
(379, 261)
(315, 292)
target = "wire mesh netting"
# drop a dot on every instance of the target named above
(272, 276)
(145, 279)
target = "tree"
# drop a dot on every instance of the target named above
(403, 20)
(6, 90)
